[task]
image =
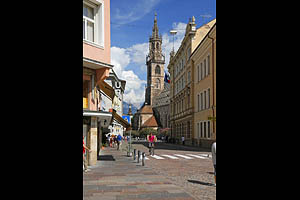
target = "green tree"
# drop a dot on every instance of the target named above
(146, 131)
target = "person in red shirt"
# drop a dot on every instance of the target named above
(84, 157)
(151, 139)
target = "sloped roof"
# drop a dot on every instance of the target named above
(146, 109)
(151, 122)
(201, 33)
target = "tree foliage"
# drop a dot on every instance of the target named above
(146, 131)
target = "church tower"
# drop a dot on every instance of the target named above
(155, 61)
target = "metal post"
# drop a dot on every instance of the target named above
(143, 158)
(130, 147)
(134, 154)
(139, 155)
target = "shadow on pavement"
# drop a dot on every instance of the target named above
(106, 158)
(169, 146)
(200, 182)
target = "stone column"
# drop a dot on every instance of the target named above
(93, 142)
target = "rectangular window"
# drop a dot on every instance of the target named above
(205, 71)
(88, 23)
(201, 131)
(208, 100)
(208, 129)
(198, 70)
(204, 99)
(204, 129)
(201, 72)
(189, 76)
(198, 132)
(198, 98)
(208, 64)
(201, 101)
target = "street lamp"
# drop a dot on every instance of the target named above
(173, 32)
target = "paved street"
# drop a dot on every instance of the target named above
(170, 174)
(186, 167)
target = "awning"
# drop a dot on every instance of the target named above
(104, 117)
(94, 64)
(119, 119)
(107, 89)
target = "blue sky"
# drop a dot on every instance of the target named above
(131, 26)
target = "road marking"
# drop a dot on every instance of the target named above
(157, 157)
(197, 156)
(172, 157)
(146, 158)
(205, 155)
(186, 157)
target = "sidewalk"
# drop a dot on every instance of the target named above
(118, 177)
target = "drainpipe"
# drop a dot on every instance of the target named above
(213, 83)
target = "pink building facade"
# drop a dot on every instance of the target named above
(96, 66)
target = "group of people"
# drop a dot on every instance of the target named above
(115, 140)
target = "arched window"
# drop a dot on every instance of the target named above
(157, 84)
(157, 69)
(157, 45)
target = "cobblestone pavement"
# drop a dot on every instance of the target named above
(195, 175)
(118, 177)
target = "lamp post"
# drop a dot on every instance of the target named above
(173, 32)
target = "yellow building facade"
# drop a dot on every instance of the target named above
(182, 87)
(203, 60)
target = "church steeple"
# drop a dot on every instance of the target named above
(155, 28)
(155, 61)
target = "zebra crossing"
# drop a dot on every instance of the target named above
(178, 157)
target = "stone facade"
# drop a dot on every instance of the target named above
(155, 61)
(182, 90)
(162, 104)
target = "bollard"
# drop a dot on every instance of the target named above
(139, 155)
(129, 152)
(143, 158)
(134, 154)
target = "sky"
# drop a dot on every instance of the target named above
(131, 27)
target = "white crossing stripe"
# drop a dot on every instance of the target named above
(157, 157)
(172, 157)
(146, 158)
(186, 157)
(205, 155)
(197, 156)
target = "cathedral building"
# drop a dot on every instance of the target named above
(146, 117)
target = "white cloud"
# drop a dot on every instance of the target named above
(134, 90)
(134, 11)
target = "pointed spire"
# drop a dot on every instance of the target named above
(129, 109)
(155, 28)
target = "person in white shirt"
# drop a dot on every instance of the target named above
(182, 139)
(214, 158)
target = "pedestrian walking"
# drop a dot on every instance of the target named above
(110, 141)
(214, 158)
(151, 139)
(115, 141)
(119, 141)
(85, 167)
(182, 139)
